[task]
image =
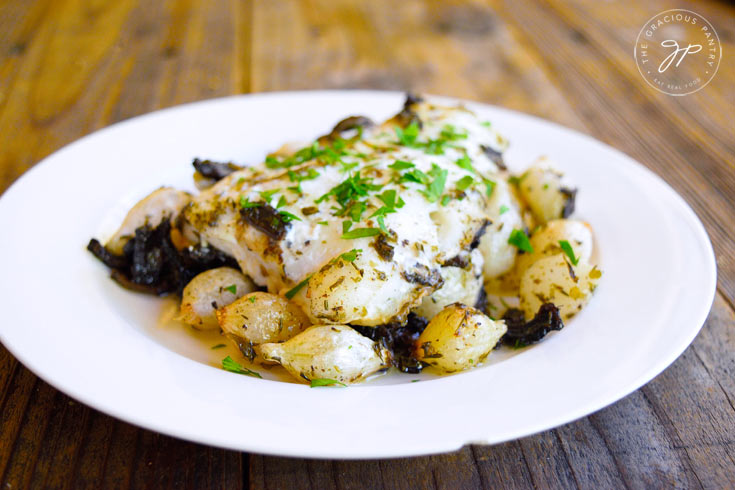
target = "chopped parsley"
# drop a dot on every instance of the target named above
(353, 188)
(520, 240)
(346, 167)
(465, 182)
(317, 382)
(252, 299)
(294, 290)
(287, 217)
(435, 189)
(351, 255)
(232, 288)
(301, 176)
(407, 136)
(445, 200)
(415, 175)
(504, 209)
(245, 203)
(267, 195)
(466, 164)
(231, 365)
(360, 233)
(323, 223)
(281, 202)
(401, 165)
(489, 186)
(569, 251)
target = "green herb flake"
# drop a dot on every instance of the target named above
(252, 299)
(231, 365)
(504, 209)
(245, 203)
(267, 195)
(294, 290)
(407, 136)
(487, 124)
(281, 202)
(323, 223)
(465, 182)
(346, 225)
(218, 346)
(232, 288)
(466, 164)
(489, 187)
(445, 200)
(287, 217)
(346, 167)
(351, 255)
(435, 189)
(317, 382)
(415, 175)
(520, 240)
(569, 251)
(401, 165)
(360, 233)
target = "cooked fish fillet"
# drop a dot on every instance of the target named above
(367, 214)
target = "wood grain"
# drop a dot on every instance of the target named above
(73, 66)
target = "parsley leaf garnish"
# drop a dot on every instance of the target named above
(520, 240)
(415, 175)
(569, 251)
(231, 288)
(267, 195)
(287, 217)
(245, 203)
(466, 164)
(360, 233)
(292, 292)
(351, 255)
(231, 365)
(435, 189)
(407, 136)
(317, 382)
(489, 187)
(401, 165)
(465, 182)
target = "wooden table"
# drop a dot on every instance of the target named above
(68, 68)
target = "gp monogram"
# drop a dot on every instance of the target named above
(678, 52)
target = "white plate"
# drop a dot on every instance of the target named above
(71, 325)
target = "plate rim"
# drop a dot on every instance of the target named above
(684, 208)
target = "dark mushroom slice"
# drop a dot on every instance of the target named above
(495, 156)
(408, 115)
(150, 262)
(399, 339)
(214, 170)
(345, 125)
(521, 333)
(571, 197)
(266, 219)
